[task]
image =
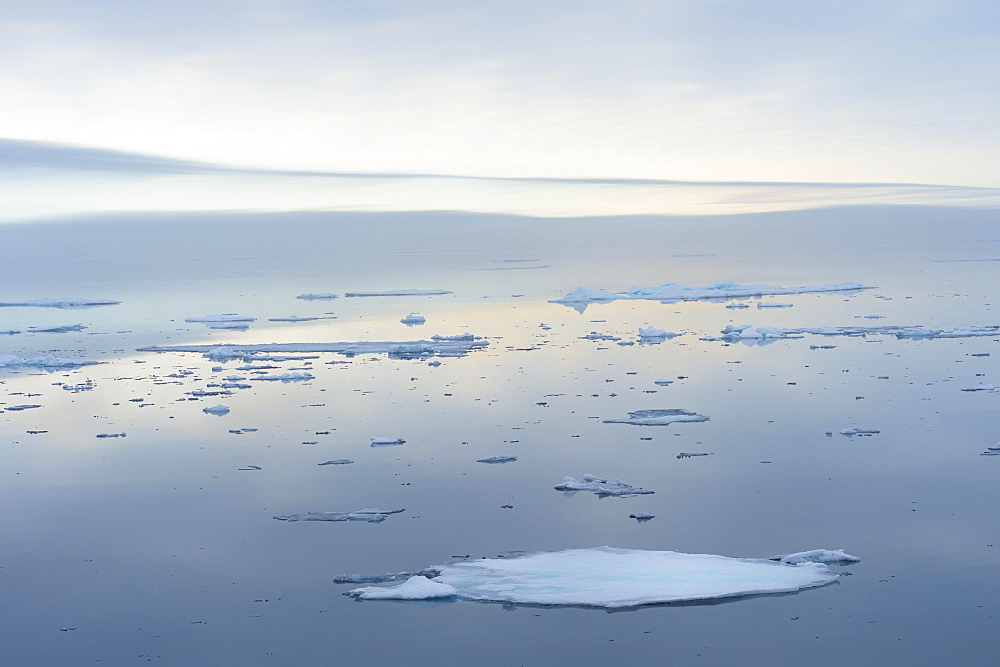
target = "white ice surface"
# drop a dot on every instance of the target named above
(613, 578)
(297, 376)
(653, 332)
(378, 441)
(413, 318)
(723, 290)
(12, 361)
(61, 302)
(414, 588)
(602, 487)
(438, 345)
(497, 459)
(295, 318)
(818, 556)
(216, 319)
(859, 431)
(63, 328)
(217, 410)
(402, 292)
(317, 296)
(658, 417)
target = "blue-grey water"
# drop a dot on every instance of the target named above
(158, 547)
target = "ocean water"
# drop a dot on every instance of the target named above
(161, 547)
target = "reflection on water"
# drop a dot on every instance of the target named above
(161, 544)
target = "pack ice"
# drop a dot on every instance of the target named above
(607, 577)
(60, 302)
(440, 345)
(658, 417)
(49, 362)
(715, 291)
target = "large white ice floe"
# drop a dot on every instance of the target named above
(402, 292)
(676, 292)
(414, 588)
(818, 556)
(317, 296)
(599, 485)
(610, 578)
(745, 332)
(658, 417)
(297, 376)
(8, 361)
(61, 302)
(438, 345)
(371, 515)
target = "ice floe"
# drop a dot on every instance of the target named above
(336, 462)
(744, 332)
(764, 304)
(296, 318)
(414, 588)
(653, 332)
(19, 408)
(439, 345)
(642, 517)
(65, 328)
(217, 410)
(818, 556)
(47, 363)
(317, 296)
(217, 319)
(402, 292)
(413, 319)
(600, 486)
(378, 441)
(371, 515)
(612, 578)
(983, 387)
(497, 459)
(663, 382)
(859, 431)
(297, 376)
(60, 302)
(672, 292)
(658, 417)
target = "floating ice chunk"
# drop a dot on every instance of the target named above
(593, 335)
(297, 376)
(380, 442)
(658, 417)
(435, 363)
(642, 517)
(763, 304)
(317, 296)
(336, 462)
(859, 431)
(402, 292)
(731, 290)
(61, 302)
(442, 345)
(412, 319)
(428, 572)
(983, 387)
(65, 328)
(18, 408)
(49, 362)
(111, 435)
(216, 319)
(663, 382)
(602, 487)
(217, 410)
(615, 578)
(370, 515)
(687, 455)
(415, 588)
(737, 306)
(818, 556)
(653, 332)
(9, 332)
(586, 295)
(497, 459)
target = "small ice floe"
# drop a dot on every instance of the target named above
(611, 578)
(227, 318)
(60, 302)
(859, 431)
(317, 296)
(600, 486)
(980, 354)
(336, 462)
(440, 345)
(9, 332)
(658, 417)
(982, 387)
(653, 332)
(297, 376)
(384, 578)
(593, 335)
(18, 408)
(295, 318)
(672, 292)
(818, 556)
(763, 304)
(217, 410)
(822, 347)
(87, 385)
(111, 435)
(371, 515)
(642, 517)
(413, 319)
(241, 431)
(587, 295)
(992, 451)
(414, 588)
(65, 328)
(381, 442)
(737, 306)
(496, 459)
(402, 292)
(46, 363)
(434, 363)
(663, 382)
(687, 455)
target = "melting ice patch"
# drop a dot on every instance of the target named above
(611, 578)
(658, 417)
(818, 556)
(47, 363)
(60, 302)
(600, 486)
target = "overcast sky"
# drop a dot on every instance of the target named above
(899, 91)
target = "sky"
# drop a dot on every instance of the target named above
(700, 90)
